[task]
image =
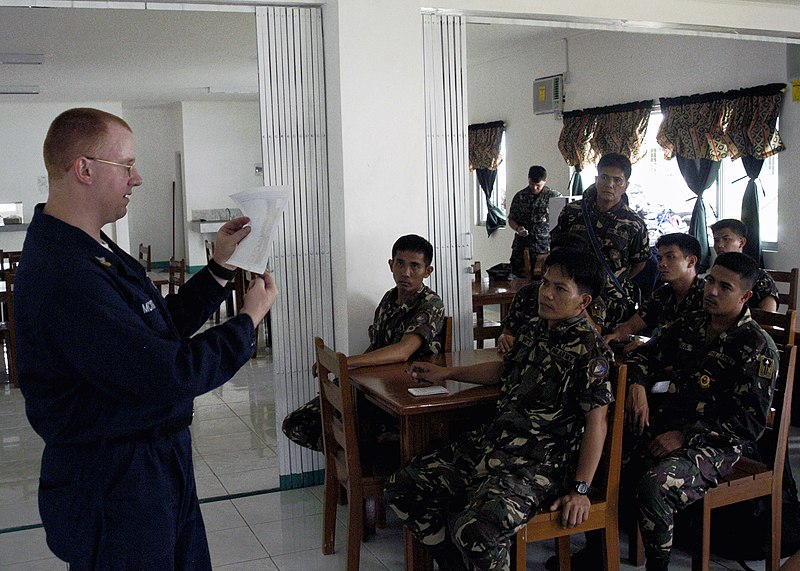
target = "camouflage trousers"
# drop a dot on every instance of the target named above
(669, 485)
(304, 425)
(463, 513)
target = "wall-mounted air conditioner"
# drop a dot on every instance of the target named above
(548, 95)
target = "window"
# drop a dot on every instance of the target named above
(498, 192)
(658, 192)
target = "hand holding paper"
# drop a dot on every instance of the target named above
(264, 206)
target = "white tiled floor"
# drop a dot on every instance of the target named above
(235, 444)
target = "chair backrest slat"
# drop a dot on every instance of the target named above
(608, 471)
(777, 436)
(780, 326)
(336, 403)
(788, 287)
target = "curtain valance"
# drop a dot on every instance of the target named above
(588, 134)
(484, 145)
(716, 125)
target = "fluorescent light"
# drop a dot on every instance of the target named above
(19, 89)
(27, 59)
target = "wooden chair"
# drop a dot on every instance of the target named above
(446, 335)
(483, 329)
(751, 479)
(144, 257)
(603, 514)
(787, 281)
(780, 326)
(177, 274)
(344, 470)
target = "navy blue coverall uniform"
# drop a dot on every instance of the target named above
(109, 374)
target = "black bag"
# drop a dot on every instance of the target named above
(500, 272)
(741, 531)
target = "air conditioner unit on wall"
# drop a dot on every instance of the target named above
(548, 95)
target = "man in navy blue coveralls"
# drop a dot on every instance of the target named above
(107, 366)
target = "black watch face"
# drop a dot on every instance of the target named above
(582, 488)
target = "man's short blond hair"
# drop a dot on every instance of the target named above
(75, 132)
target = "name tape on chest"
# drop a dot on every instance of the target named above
(562, 354)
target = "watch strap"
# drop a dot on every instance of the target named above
(219, 271)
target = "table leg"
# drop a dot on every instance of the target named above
(417, 433)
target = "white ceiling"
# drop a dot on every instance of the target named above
(134, 56)
(146, 57)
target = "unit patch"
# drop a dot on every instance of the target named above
(598, 367)
(766, 367)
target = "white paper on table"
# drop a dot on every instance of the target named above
(264, 205)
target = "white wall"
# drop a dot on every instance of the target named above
(377, 149)
(221, 146)
(605, 68)
(23, 127)
(158, 137)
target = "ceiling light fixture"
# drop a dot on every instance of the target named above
(231, 89)
(23, 59)
(19, 89)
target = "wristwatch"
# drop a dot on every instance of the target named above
(581, 487)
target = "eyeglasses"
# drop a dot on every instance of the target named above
(129, 167)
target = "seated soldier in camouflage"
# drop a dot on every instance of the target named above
(407, 324)
(730, 235)
(525, 304)
(723, 368)
(464, 502)
(682, 293)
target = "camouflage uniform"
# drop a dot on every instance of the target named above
(531, 211)
(525, 306)
(622, 236)
(663, 306)
(763, 288)
(719, 396)
(421, 315)
(466, 500)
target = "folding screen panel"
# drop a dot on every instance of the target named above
(294, 140)
(444, 42)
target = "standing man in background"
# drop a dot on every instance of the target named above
(529, 216)
(109, 369)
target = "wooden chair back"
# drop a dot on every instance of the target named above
(177, 274)
(446, 335)
(751, 479)
(343, 467)
(476, 271)
(780, 326)
(603, 514)
(788, 287)
(144, 257)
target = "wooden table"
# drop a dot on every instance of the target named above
(427, 421)
(496, 292)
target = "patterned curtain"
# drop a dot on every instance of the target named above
(752, 118)
(484, 145)
(484, 158)
(588, 134)
(717, 125)
(708, 127)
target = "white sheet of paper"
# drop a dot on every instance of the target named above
(264, 205)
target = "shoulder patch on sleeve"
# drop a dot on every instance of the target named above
(766, 366)
(598, 367)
